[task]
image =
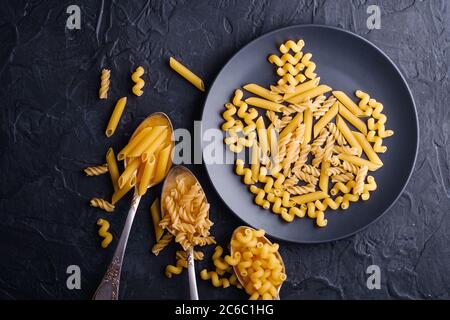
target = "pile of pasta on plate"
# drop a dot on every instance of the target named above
(312, 148)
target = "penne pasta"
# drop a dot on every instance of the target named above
(147, 175)
(129, 171)
(367, 147)
(133, 142)
(187, 74)
(324, 177)
(163, 164)
(354, 120)
(360, 161)
(112, 168)
(348, 135)
(155, 212)
(348, 103)
(310, 94)
(264, 104)
(120, 193)
(263, 92)
(308, 121)
(115, 116)
(292, 125)
(326, 118)
(255, 161)
(154, 146)
(262, 136)
(310, 197)
(305, 86)
(147, 141)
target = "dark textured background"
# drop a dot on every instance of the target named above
(52, 126)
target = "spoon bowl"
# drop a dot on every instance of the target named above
(264, 240)
(109, 286)
(169, 184)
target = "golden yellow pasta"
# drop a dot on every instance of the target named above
(112, 168)
(187, 74)
(102, 204)
(104, 233)
(96, 170)
(304, 141)
(104, 84)
(139, 83)
(115, 117)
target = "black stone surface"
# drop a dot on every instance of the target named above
(52, 126)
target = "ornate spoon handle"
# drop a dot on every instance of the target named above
(109, 287)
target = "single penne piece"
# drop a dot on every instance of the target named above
(155, 211)
(115, 116)
(133, 142)
(148, 140)
(367, 147)
(324, 177)
(112, 168)
(255, 161)
(154, 146)
(308, 121)
(264, 104)
(348, 135)
(305, 86)
(272, 139)
(130, 169)
(292, 125)
(263, 92)
(348, 103)
(325, 119)
(354, 120)
(164, 161)
(310, 94)
(147, 175)
(360, 161)
(309, 197)
(120, 193)
(262, 136)
(187, 74)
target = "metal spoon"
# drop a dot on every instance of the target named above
(263, 240)
(168, 185)
(109, 286)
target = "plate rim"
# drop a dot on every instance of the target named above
(403, 79)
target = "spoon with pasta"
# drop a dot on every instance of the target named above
(147, 159)
(257, 263)
(185, 212)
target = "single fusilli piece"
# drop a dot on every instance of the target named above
(350, 167)
(326, 105)
(96, 170)
(104, 84)
(104, 233)
(343, 177)
(102, 204)
(308, 178)
(319, 141)
(334, 171)
(298, 190)
(338, 136)
(359, 180)
(139, 83)
(303, 157)
(345, 149)
(309, 169)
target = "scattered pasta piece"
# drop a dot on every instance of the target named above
(139, 83)
(104, 84)
(104, 233)
(102, 204)
(187, 74)
(96, 170)
(115, 117)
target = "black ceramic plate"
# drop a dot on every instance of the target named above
(345, 62)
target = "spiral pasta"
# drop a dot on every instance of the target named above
(104, 233)
(162, 243)
(104, 84)
(102, 204)
(307, 142)
(139, 83)
(96, 170)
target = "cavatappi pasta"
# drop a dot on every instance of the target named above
(311, 147)
(136, 76)
(104, 233)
